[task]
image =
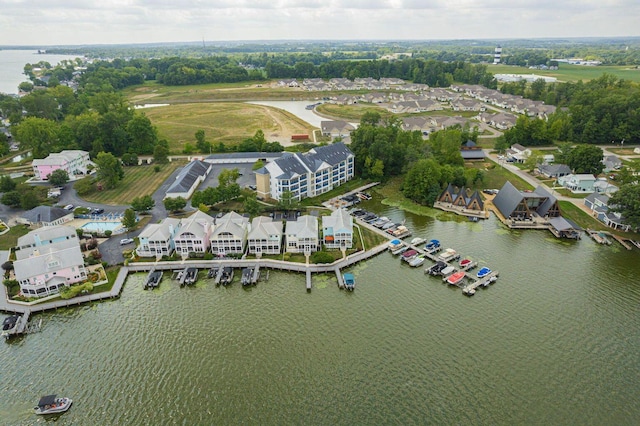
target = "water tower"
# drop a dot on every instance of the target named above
(496, 54)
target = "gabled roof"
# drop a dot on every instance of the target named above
(195, 224)
(160, 231)
(305, 227)
(231, 223)
(40, 262)
(562, 224)
(45, 234)
(188, 175)
(507, 199)
(262, 227)
(45, 214)
(338, 221)
(288, 166)
(554, 169)
(543, 209)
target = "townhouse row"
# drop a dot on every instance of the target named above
(234, 234)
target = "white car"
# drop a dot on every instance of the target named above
(125, 241)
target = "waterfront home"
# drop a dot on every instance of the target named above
(578, 182)
(599, 206)
(45, 216)
(459, 201)
(188, 179)
(47, 259)
(75, 162)
(337, 230)
(229, 235)
(525, 206)
(302, 235)
(156, 239)
(194, 234)
(265, 236)
(306, 175)
(554, 170)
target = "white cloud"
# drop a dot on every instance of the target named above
(47, 22)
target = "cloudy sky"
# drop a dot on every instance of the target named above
(54, 22)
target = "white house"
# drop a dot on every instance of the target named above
(229, 235)
(47, 259)
(265, 236)
(46, 216)
(188, 179)
(194, 234)
(578, 183)
(337, 230)
(302, 235)
(156, 239)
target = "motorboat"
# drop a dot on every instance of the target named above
(388, 225)
(449, 255)
(247, 276)
(380, 222)
(447, 271)
(464, 262)
(436, 268)
(213, 272)
(432, 245)
(417, 261)
(51, 404)
(399, 250)
(408, 255)
(227, 275)
(483, 272)
(10, 325)
(455, 278)
(190, 276)
(417, 241)
(153, 280)
(349, 281)
(394, 244)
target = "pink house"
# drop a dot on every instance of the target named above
(48, 259)
(74, 162)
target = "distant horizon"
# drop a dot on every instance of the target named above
(319, 40)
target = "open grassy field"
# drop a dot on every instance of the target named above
(10, 239)
(138, 181)
(228, 122)
(568, 72)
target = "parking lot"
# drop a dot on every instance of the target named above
(246, 175)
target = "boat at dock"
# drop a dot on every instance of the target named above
(227, 275)
(448, 270)
(349, 281)
(399, 250)
(432, 246)
(456, 278)
(408, 255)
(153, 280)
(418, 260)
(395, 244)
(190, 277)
(449, 255)
(364, 196)
(51, 404)
(436, 268)
(483, 272)
(213, 272)
(416, 241)
(247, 276)
(11, 325)
(400, 232)
(380, 222)
(464, 262)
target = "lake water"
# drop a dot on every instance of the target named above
(12, 64)
(555, 341)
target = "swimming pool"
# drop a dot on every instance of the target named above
(101, 226)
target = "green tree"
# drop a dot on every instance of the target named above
(586, 159)
(129, 219)
(109, 170)
(29, 199)
(422, 182)
(130, 159)
(7, 184)
(287, 201)
(84, 186)
(11, 199)
(370, 118)
(25, 86)
(161, 152)
(258, 165)
(142, 204)
(626, 201)
(38, 134)
(142, 133)
(175, 204)
(252, 206)
(201, 143)
(59, 177)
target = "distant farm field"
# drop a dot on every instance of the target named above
(227, 122)
(568, 72)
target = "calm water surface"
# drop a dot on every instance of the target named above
(554, 341)
(12, 64)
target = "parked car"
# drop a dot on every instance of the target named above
(68, 207)
(252, 187)
(125, 241)
(98, 211)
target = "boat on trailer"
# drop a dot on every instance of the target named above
(349, 281)
(51, 404)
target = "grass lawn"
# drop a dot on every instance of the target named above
(568, 72)
(227, 122)
(10, 239)
(138, 181)
(371, 239)
(579, 216)
(495, 177)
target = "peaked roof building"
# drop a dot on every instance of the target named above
(188, 179)
(306, 175)
(515, 204)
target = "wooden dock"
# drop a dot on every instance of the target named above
(470, 289)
